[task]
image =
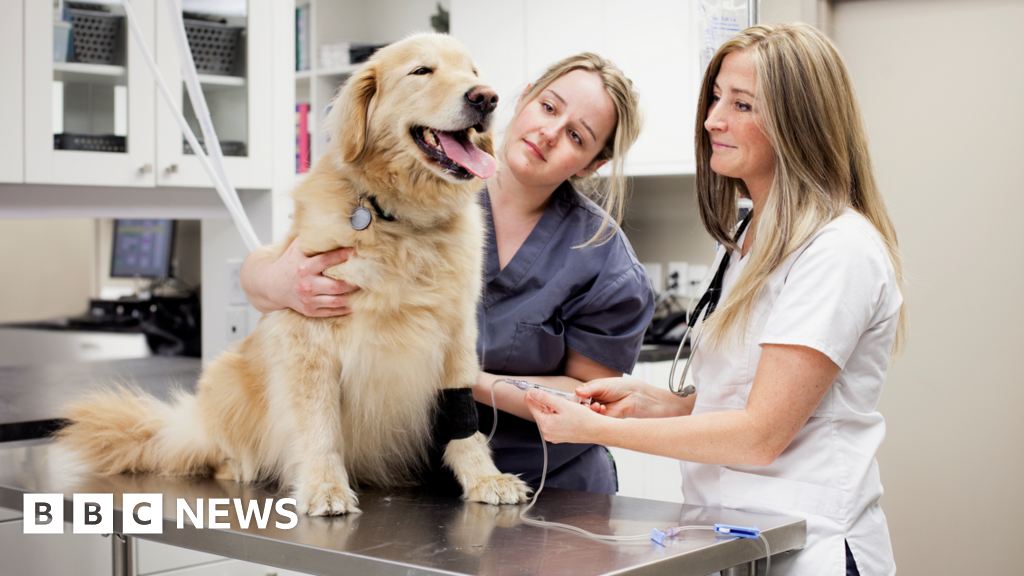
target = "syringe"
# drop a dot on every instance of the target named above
(527, 386)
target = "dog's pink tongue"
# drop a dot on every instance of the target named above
(478, 162)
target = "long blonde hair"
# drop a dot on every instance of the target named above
(628, 124)
(809, 111)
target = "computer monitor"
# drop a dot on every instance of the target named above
(142, 248)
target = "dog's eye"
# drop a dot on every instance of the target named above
(422, 70)
(475, 73)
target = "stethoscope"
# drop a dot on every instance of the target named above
(707, 304)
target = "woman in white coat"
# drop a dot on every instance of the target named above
(790, 366)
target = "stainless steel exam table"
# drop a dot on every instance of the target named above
(399, 531)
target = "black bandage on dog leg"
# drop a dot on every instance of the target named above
(458, 411)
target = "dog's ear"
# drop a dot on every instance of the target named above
(349, 117)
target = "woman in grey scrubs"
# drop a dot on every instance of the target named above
(565, 300)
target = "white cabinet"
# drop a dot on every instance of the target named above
(117, 106)
(240, 106)
(12, 155)
(37, 554)
(154, 557)
(100, 99)
(653, 41)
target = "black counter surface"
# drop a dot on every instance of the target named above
(31, 396)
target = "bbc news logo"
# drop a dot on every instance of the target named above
(144, 513)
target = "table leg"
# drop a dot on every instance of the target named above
(124, 555)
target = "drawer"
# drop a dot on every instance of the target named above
(35, 554)
(155, 557)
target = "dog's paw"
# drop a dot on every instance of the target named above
(327, 500)
(499, 489)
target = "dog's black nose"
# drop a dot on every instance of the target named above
(483, 99)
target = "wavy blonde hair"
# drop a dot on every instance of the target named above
(628, 124)
(808, 109)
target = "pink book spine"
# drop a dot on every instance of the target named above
(303, 138)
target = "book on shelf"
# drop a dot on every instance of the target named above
(302, 38)
(302, 139)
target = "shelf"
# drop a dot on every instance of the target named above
(652, 169)
(217, 80)
(666, 169)
(303, 74)
(78, 72)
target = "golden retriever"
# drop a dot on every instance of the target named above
(322, 404)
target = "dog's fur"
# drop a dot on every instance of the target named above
(323, 404)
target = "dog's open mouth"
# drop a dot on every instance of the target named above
(454, 152)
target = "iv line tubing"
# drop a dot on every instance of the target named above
(640, 538)
(229, 197)
(195, 94)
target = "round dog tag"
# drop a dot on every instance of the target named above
(360, 218)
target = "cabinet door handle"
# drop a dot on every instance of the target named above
(172, 169)
(146, 169)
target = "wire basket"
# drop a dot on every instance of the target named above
(227, 148)
(214, 46)
(95, 35)
(89, 142)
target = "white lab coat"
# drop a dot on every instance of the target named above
(838, 295)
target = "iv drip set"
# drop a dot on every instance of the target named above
(656, 536)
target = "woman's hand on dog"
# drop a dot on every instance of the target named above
(296, 281)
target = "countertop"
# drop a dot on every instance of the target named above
(31, 396)
(662, 352)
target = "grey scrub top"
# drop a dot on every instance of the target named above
(551, 298)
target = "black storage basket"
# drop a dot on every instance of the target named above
(227, 148)
(89, 142)
(214, 46)
(95, 35)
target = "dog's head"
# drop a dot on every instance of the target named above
(417, 107)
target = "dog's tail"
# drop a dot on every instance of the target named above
(127, 430)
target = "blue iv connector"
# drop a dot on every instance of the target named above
(740, 531)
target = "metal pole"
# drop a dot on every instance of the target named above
(753, 12)
(124, 555)
(749, 569)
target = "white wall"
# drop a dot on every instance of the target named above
(380, 21)
(941, 85)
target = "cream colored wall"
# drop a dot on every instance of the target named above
(46, 268)
(941, 85)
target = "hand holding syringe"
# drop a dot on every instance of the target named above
(526, 387)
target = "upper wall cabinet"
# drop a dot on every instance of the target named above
(235, 75)
(92, 111)
(12, 156)
(89, 98)
(654, 42)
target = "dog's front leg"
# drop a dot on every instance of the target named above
(470, 458)
(322, 486)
